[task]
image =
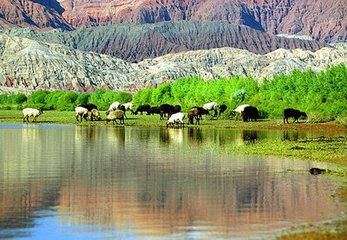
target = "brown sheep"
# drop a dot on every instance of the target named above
(193, 113)
(114, 115)
(95, 115)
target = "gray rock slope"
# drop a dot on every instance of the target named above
(28, 65)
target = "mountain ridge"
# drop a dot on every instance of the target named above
(324, 20)
(26, 64)
(134, 43)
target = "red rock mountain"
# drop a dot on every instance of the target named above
(37, 14)
(324, 20)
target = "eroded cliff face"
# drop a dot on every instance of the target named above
(324, 20)
(134, 43)
(28, 65)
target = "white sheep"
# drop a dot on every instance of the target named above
(113, 106)
(81, 112)
(212, 106)
(176, 118)
(241, 108)
(31, 112)
(128, 105)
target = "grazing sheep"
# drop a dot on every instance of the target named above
(154, 110)
(177, 108)
(296, 114)
(240, 108)
(201, 111)
(31, 112)
(143, 108)
(81, 113)
(212, 106)
(193, 114)
(222, 109)
(176, 118)
(166, 109)
(114, 115)
(113, 106)
(95, 115)
(128, 106)
(249, 113)
(88, 106)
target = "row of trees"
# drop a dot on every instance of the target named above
(322, 94)
(64, 101)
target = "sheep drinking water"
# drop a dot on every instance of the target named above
(175, 118)
(95, 115)
(81, 113)
(114, 115)
(31, 112)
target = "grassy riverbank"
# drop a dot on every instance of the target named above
(321, 149)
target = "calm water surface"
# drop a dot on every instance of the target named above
(96, 182)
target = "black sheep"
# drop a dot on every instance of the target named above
(202, 111)
(249, 113)
(294, 113)
(143, 108)
(89, 106)
(166, 109)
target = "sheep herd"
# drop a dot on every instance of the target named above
(175, 118)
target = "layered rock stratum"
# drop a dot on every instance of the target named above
(26, 64)
(323, 20)
(134, 43)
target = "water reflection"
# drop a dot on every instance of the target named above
(138, 182)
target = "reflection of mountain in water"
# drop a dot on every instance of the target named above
(156, 180)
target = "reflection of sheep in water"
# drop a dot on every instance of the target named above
(81, 112)
(31, 112)
(249, 136)
(114, 115)
(316, 171)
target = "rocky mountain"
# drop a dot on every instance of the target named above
(324, 20)
(134, 43)
(38, 14)
(27, 65)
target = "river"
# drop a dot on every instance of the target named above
(111, 182)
